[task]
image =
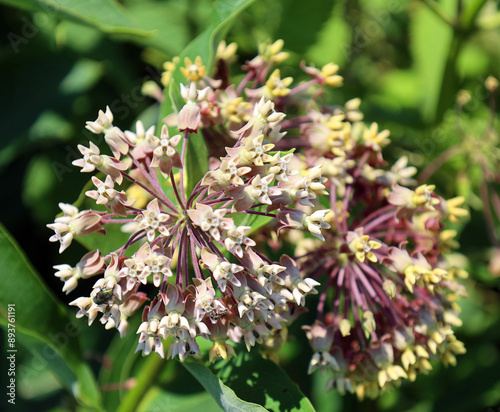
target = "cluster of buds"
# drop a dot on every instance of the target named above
(317, 180)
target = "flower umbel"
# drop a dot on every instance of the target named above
(196, 245)
(205, 242)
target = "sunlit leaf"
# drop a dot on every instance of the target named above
(224, 12)
(83, 76)
(223, 395)
(259, 380)
(326, 50)
(252, 220)
(160, 400)
(168, 22)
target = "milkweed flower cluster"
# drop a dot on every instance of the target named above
(390, 296)
(317, 180)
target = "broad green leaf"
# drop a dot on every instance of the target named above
(309, 16)
(223, 395)
(160, 400)
(37, 190)
(40, 317)
(107, 15)
(400, 88)
(473, 61)
(42, 360)
(470, 12)
(21, 4)
(262, 381)
(39, 381)
(168, 21)
(82, 77)
(50, 125)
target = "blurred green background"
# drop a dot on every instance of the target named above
(62, 61)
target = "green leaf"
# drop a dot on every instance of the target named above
(471, 10)
(254, 221)
(107, 15)
(223, 395)
(41, 319)
(196, 162)
(161, 400)
(324, 50)
(167, 20)
(400, 88)
(121, 356)
(324, 401)
(311, 16)
(112, 240)
(21, 4)
(83, 76)
(472, 61)
(261, 381)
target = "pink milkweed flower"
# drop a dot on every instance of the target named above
(103, 122)
(153, 220)
(189, 116)
(165, 156)
(210, 220)
(105, 194)
(80, 224)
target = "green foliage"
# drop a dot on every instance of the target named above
(223, 395)
(162, 400)
(40, 320)
(254, 221)
(260, 380)
(106, 15)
